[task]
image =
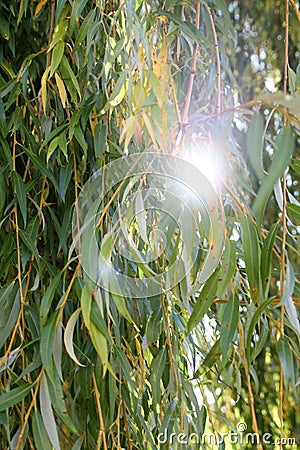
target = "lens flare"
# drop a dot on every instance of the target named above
(207, 162)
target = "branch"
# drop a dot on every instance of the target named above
(217, 56)
(295, 9)
(184, 119)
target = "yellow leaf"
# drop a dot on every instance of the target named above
(61, 89)
(160, 62)
(93, 120)
(44, 89)
(150, 129)
(100, 344)
(39, 6)
(128, 131)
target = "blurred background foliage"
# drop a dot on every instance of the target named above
(82, 83)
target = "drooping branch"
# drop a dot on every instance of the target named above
(295, 9)
(188, 96)
(218, 75)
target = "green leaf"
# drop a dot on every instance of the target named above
(39, 432)
(48, 297)
(204, 301)
(251, 256)
(40, 165)
(291, 80)
(293, 211)
(157, 370)
(99, 321)
(286, 359)
(70, 79)
(266, 258)
(47, 344)
(119, 299)
(284, 147)
(295, 165)
(78, 133)
(2, 192)
(10, 308)
(229, 324)
(100, 344)
(118, 93)
(263, 336)
(255, 140)
(86, 304)
(21, 194)
(212, 356)
(28, 241)
(228, 266)
(22, 10)
(68, 336)
(253, 322)
(186, 27)
(65, 175)
(99, 139)
(85, 26)
(14, 396)
(59, 33)
(56, 57)
(47, 413)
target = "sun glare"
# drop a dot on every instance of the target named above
(207, 163)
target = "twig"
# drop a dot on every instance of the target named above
(248, 379)
(295, 9)
(217, 56)
(33, 403)
(188, 96)
(51, 30)
(101, 423)
(284, 227)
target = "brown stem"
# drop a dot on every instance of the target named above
(284, 227)
(248, 379)
(217, 57)
(188, 96)
(51, 30)
(295, 9)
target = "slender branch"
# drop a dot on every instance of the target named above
(284, 228)
(51, 30)
(101, 423)
(217, 56)
(32, 404)
(248, 379)
(295, 9)
(188, 96)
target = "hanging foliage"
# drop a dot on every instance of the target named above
(150, 219)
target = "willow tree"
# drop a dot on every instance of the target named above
(149, 224)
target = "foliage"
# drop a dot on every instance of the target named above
(83, 83)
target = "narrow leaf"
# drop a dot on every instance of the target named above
(56, 57)
(14, 396)
(266, 258)
(255, 137)
(47, 413)
(48, 297)
(40, 433)
(204, 301)
(229, 324)
(251, 256)
(21, 195)
(68, 336)
(61, 90)
(284, 147)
